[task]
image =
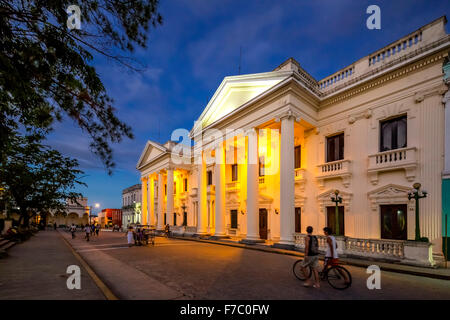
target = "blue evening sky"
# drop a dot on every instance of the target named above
(198, 45)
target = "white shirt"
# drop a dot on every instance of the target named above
(328, 252)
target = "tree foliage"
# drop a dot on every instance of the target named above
(35, 178)
(46, 69)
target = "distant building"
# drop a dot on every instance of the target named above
(131, 204)
(110, 217)
(74, 213)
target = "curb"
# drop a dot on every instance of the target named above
(109, 295)
(300, 254)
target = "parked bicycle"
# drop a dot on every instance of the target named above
(336, 275)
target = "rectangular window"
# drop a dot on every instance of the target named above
(298, 157)
(234, 172)
(331, 220)
(335, 148)
(174, 188)
(261, 166)
(393, 134)
(234, 219)
(209, 175)
(298, 220)
(185, 184)
(165, 189)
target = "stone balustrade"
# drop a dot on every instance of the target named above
(405, 252)
(335, 169)
(404, 158)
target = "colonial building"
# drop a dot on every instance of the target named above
(74, 213)
(270, 149)
(131, 205)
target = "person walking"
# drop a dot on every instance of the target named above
(87, 229)
(54, 226)
(72, 230)
(311, 258)
(97, 229)
(130, 236)
(93, 230)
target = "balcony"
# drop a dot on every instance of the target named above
(233, 186)
(398, 159)
(336, 169)
(300, 179)
(211, 189)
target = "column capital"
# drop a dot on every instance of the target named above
(250, 131)
(286, 114)
(144, 179)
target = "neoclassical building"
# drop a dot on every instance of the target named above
(271, 148)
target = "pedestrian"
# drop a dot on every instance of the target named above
(54, 226)
(97, 229)
(331, 255)
(130, 236)
(72, 230)
(87, 229)
(311, 259)
(93, 229)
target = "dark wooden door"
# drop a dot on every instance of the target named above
(174, 219)
(393, 222)
(184, 218)
(298, 220)
(263, 223)
(331, 220)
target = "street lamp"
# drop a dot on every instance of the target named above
(417, 194)
(336, 199)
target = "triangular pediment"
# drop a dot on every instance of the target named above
(389, 190)
(235, 91)
(151, 151)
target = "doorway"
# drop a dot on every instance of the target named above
(331, 220)
(263, 224)
(394, 222)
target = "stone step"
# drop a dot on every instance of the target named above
(8, 245)
(3, 242)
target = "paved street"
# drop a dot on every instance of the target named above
(179, 269)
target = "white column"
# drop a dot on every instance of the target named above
(220, 191)
(151, 197)
(287, 219)
(144, 204)
(202, 198)
(170, 196)
(160, 202)
(252, 186)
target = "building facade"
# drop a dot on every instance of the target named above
(74, 213)
(110, 217)
(131, 205)
(270, 149)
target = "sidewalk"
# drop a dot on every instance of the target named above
(436, 273)
(125, 281)
(36, 270)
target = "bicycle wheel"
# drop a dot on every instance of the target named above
(339, 278)
(298, 271)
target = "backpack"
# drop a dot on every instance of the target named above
(313, 245)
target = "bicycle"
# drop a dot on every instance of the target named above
(334, 274)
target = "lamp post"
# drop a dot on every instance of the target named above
(336, 199)
(417, 194)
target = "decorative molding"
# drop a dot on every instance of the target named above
(390, 194)
(324, 200)
(384, 78)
